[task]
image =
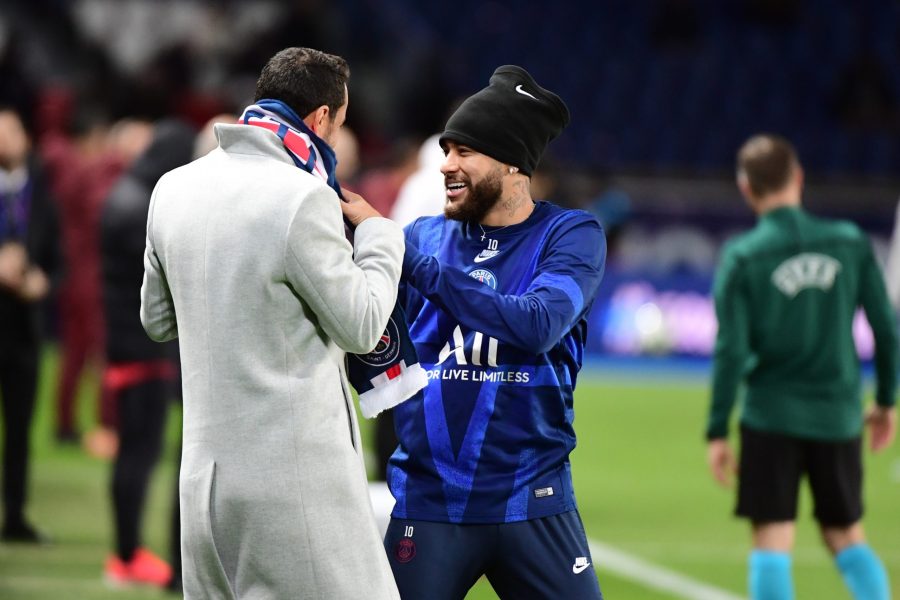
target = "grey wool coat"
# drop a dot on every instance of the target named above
(248, 266)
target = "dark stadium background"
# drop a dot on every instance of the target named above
(661, 92)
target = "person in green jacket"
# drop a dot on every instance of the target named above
(786, 293)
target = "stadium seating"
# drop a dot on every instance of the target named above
(676, 86)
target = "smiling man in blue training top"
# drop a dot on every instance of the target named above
(496, 292)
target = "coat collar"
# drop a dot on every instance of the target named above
(241, 139)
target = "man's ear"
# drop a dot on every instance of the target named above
(744, 186)
(317, 118)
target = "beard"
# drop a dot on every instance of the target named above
(482, 197)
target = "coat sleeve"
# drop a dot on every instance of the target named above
(157, 307)
(351, 289)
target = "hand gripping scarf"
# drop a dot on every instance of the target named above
(390, 373)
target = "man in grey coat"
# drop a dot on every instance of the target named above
(247, 264)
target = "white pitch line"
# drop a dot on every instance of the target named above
(605, 557)
(652, 576)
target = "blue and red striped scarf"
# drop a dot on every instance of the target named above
(390, 373)
(308, 151)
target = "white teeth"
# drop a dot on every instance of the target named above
(456, 186)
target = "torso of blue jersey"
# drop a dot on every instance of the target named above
(499, 323)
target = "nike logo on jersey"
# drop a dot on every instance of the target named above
(523, 92)
(485, 255)
(581, 563)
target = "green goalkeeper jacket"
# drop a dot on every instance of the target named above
(786, 293)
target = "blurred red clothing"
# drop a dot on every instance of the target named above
(380, 186)
(80, 181)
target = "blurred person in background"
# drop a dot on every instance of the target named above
(247, 265)
(83, 164)
(380, 185)
(206, 142)
(346, 150)
(497, 292)
(785, 294)
(140, 375)
(29, 261)
(892, 268)
(423, 193)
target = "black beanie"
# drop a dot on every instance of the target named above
(511, 120)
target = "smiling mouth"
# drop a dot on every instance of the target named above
(455, 189)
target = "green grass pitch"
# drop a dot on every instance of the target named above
(640, 477)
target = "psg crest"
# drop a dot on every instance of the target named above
(405, 550)
(386, 350)
(485, 277)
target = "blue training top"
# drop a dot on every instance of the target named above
(499, 323)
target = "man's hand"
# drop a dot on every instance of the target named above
(355, 208)
(721, 461)
(35, 285)
(13, 263)
(882, 422)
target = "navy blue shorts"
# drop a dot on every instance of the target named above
(542, 558)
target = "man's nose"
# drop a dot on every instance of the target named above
(449, 165)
